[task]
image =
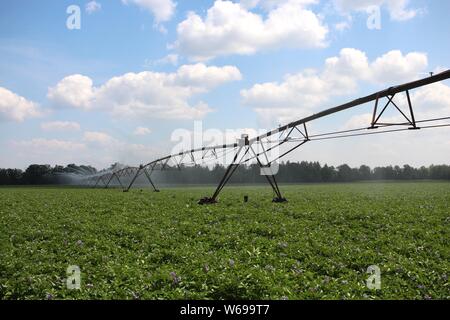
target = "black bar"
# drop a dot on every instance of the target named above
(411, 109)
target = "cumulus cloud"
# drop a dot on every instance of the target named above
(271, 4)
(397, 67)
(201, 76)
(171, 59)
(93, 6)
(303, 93)
(100, 138)
(231, 28)
(431, 100)
(75, 91)
(16, 108)
(398, 9)
(162, 10)
(141, 131)
(60, 126)
(149, 94)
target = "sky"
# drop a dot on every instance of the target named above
(98, 82)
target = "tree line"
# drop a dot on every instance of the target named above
(37, 174)
(289, 172)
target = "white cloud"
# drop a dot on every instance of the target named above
(398, 9)
(304, 93)
(95, 149)
(75, 91)
(171, 59)
(397, 67)
(49, 145)
(142, 131)
(60, 126)
(163, 10)
(271, 4)
(100, 138)
(432, 100)
(146, 94)
(344, 25)
(136, 154)
(93, 6)
(202, 76)
(16, 108)
(43, 151)
(249, 4)
(230, 28)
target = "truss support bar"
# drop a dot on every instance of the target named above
(97, 182)
(375, 109)
(272, 181)
(289, 151)
(120, 182)
(109, 180)
(411, 111)
(150, 180)
(138, 173)
(228, 174)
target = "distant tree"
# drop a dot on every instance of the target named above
(440, 172)
(423, 173)
(289, 172)
(344, 173)
(408, 172)
(364, 172)
(327, 173)
(15, 176)
(58, 169)
(36, 174)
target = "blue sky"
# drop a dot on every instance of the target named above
(145, 68)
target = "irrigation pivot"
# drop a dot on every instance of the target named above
(258, 148)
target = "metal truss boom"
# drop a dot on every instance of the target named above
(245, 148)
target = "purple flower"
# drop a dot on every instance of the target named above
(231, 262)
(49, 296)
